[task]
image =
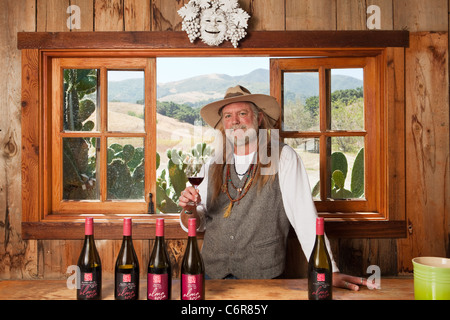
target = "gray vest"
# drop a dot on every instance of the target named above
(251, 242)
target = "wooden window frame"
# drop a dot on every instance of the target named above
(38, 48)
(373, 133)
(53, 179)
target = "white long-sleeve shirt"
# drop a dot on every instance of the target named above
(296, 193)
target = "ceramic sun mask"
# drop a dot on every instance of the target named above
(213, 26)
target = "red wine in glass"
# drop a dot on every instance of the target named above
(195, 181)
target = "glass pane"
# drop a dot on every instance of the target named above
(347, 167)
(347, 99)
(301, 101)
(80, 108)
(308, 150)
(80, 169)
(126, 101)
(125, 173)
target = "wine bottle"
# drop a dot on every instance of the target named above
(159, 276)
(192, 267)
(319, 268)
(127, 267)
(90, 266)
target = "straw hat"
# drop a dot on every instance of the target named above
(268, 104)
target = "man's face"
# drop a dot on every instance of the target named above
(213, 26)
(240, 123)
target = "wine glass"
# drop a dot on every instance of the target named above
(194, 173)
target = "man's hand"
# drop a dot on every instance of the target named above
(349, 282)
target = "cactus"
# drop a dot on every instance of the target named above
(168, 189)
(79, 170)
(125, 172)
(357, 182)
(339, 169)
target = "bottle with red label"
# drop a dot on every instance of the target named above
(127, 267)
(159, 277)
(192, 267)
(89, 286)
(319, 268)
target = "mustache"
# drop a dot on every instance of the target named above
(238, 126)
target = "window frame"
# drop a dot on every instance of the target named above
(38, 48)
(373, 133)
(54, 119)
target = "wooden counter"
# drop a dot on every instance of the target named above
(276, 289)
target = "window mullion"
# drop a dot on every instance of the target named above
(325, 122)
(103, 130)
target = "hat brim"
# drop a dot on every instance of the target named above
(268, 104)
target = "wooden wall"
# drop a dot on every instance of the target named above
(426, 126)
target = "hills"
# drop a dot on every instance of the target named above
(200, 90)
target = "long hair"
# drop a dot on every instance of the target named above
(265, 145)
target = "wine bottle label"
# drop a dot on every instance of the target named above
(89, 286)
(320, 285)
(191, 287)
(127, 287)
(157, 286)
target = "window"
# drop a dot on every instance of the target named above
(333, 121)
(102, 145)
(57, 139)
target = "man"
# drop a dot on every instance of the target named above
(245, 203)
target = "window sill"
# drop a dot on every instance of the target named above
(362, 225)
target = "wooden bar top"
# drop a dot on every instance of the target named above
(401, 288)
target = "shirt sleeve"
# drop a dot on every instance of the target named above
(298, 202)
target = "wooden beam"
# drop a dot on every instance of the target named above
(179, 40)
(145, 229)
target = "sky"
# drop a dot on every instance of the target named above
(174, 69)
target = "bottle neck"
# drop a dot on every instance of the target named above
(319, 227)
(192, 228)
(160, 227)
(127, 227)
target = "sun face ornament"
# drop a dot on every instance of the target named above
(214, 21)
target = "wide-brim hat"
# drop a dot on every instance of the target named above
(211, 112)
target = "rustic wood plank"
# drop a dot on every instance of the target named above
(356, 255)
(351, 14)
(109, 15)
(394, 84)
(86, 14)
(145, 229)
(419, 15)
(165, 15)
(401, 288)
(386, 13)
(265, 15)
(30, 135)
(427, 148)
(51, 15)
(16, 255)
(310, 15)
(179, 40)
(137, 15)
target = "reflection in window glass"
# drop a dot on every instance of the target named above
(80, 169)
(308, 150)
(125, 172)
(347, 167)
(347, 99)
(126, 101)
(80, 99)
(301, 101)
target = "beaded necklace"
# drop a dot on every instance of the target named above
(241, 191)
